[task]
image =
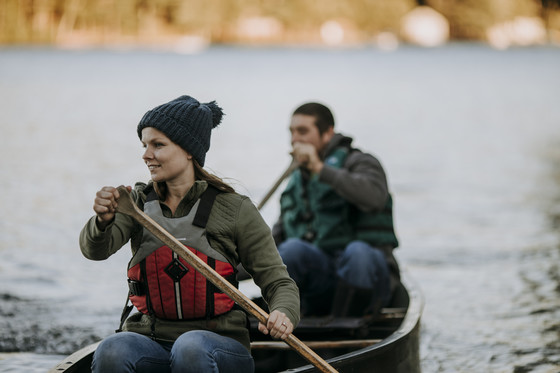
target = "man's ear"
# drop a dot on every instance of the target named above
(327, 135)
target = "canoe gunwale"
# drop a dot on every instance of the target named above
(74, 362)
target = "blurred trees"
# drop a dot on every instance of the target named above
(148, 21)
(469, 19)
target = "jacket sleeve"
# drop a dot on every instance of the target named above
(278, 231)
(260, 258)
(361, 181)
(97, 244)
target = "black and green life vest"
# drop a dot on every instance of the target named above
(313, 211)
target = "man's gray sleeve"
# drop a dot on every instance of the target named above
(361, 181)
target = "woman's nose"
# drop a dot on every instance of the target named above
(147, 153)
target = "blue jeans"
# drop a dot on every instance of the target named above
(359, 265)
(195, 351)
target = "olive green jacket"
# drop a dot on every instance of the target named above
(236, 229)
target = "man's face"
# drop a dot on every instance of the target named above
(304, 130)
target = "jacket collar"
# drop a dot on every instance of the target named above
(338, 140)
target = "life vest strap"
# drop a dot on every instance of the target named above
(206, 203)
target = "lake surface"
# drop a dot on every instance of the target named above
(469, 138)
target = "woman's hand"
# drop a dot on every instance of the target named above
(105, 205)
(278, 325)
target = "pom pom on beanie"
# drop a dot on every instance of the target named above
(187, 122)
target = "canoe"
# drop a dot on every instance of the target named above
(388, 342)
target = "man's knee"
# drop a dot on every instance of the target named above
(291, 244)
(359, 253)
(362, 264)
(292, 250)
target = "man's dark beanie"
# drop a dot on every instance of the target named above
(186, 122)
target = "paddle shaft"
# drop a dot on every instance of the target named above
(128, 207)
(286, 173)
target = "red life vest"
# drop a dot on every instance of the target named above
(163, 284)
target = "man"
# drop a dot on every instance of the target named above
(335, 232)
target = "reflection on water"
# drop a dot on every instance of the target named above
(552, 209)
(27, 362)
(469, 138)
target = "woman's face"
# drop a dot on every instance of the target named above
(167, 161)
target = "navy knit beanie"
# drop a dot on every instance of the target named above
(186, 122)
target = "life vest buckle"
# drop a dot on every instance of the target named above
(136, 287)
(309, 236)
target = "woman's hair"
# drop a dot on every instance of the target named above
(199, 174)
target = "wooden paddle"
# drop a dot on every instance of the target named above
(127, 206)
(286, 173)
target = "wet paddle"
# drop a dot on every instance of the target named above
(286, 173)
(127, 206)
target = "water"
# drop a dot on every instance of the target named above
(469, 137)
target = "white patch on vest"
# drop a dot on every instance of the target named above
(178, 294)
(331, 160)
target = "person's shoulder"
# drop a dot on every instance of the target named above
(231, 206)
(357, 156)
(236, 202)
(230, 195)
(359, 153)
(232, 199)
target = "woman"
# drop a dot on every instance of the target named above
(185, 324)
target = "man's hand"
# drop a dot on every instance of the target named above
(306, 155)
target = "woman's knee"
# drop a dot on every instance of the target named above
(190, 342)
(130, 352)
(204, 351)
(195, 349)
(116, 344)
(114, 353)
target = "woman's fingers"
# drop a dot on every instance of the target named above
(105, 203)
(278, 325)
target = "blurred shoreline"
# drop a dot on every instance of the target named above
(189, 27)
